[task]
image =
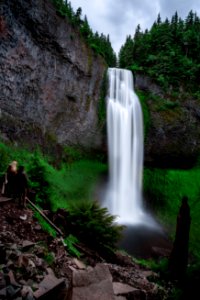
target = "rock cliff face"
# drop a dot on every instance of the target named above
(173, 136)
(49, 80)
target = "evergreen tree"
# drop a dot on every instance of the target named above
(169, 52)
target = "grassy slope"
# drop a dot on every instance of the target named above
(71, 182)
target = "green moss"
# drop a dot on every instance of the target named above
(167, 105)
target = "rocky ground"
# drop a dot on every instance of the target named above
(34, 265)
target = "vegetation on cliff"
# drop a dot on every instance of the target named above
(98, 42)
(169, 53)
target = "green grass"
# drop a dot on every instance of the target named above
(74, 182)
(166, 188)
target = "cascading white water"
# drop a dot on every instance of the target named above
(125, 145)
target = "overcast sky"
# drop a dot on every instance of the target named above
(119, 18)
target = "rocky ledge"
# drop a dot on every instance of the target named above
(34, 265)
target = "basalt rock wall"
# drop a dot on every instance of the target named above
(173, 134)
(49, 78)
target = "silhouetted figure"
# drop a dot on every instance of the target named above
(22, 186)
(179, 256)
(10, 180)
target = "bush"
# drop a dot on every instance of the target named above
(95, 227)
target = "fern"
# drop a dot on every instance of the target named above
(94, 226)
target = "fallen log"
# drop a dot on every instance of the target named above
(45, 217)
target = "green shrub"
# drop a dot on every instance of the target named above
(94, 226)
(38, 169)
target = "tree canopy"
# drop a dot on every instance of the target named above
(169, 52)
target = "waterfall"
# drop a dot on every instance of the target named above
(125, 149)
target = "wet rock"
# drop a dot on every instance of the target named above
(27, 245)
(26, 291)
(123, 260)
(49, 285)
(100, 272)
(93, 284)
(129, 292)
(79, 264)
(100, 290)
